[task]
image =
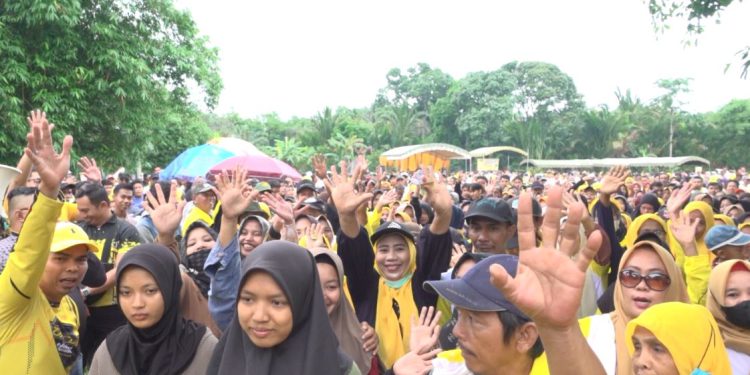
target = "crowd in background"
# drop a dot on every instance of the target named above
(361, 269)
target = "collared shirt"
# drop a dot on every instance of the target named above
(223, 267)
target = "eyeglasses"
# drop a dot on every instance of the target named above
(656, 281)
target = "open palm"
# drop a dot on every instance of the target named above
(549, 282)
(342, 190)
(51, 166)
(234, 194)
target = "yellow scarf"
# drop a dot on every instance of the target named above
(735, 337)
(690, 334)
(708, 216)
(393, 330)
(726, 220)
(632, 234)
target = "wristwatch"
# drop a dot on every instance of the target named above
(85, 291)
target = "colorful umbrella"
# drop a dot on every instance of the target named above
(236, 146)
(258, 166)
(194, 162)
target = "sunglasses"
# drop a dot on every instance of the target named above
(655, 281)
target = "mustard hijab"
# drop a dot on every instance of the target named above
(675, 292)
(720, 219)
(632, 234)
(690, 334)
(392, 329)
(708, 216)
(735, 337)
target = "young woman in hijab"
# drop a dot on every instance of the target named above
(645, 223)
(386, 283)
(197, 244)
(253, 232)
(647, 276)
(649, 204)
(280, 324)
(349, 331)
(676, 338)
(157, 339)
(729, 302)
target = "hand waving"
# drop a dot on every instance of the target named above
(425, 331)
(342, 190)
(683, 229)
(319, 166)
(677, 199)
(549, 283)
(166, 214)
(90, 170)
(235, 195)
(613, 179)
(51, 166)
(280, 207)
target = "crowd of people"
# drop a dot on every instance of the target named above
(354, 270)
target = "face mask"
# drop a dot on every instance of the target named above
(739, 314)
(197, 259)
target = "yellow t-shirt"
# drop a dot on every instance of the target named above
(35, 338)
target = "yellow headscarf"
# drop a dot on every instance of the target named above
(734, 337)
(632, 234)
(690, 334)
(720, 219)
(393, 330)
(675, 292)
(708, 216)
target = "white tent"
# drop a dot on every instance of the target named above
(611, 162)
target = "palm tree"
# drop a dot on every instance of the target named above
(404, 124)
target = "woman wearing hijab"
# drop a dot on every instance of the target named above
(647, 276)
(197, 244)
(386, 283)
(645, 223)
(676, 338)
(341, 314)
(704, 214)
(253, 232)
(729, 303)
(280, 324)
(649, 204)
(157, 339)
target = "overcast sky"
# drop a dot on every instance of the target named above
(297, 57)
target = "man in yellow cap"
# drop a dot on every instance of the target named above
(38, 320)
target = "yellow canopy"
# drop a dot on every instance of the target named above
(410, 158)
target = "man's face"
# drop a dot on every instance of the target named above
(517, 183)
(664, 178)
(731, 187)
(475, 194)
(730, 252)
(489, 236)
(21, 207)
(123, 199)
(696, 183)
(205, 201)
(712, 190)
(34, 180)
(63, 272)
(138, 190)
(480, 337)
(503, 182)
(90, 213)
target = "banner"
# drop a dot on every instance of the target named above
(488, 165)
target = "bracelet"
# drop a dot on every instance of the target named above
(85, 291)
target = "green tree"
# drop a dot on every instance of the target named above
(115, 74)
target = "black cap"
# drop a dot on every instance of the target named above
(391, 227)
(537, 186)
(315, 203)
(305, 185)
(490, 208)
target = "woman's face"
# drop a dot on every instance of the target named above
(652, 226)
(301, 225)
(264, 311)
(199, 239)
(734, 213)
(651, 357)
(635, 300)
(725, 203)
(329, 281)
(327, 231)
(697, 215)
(738, 288)
(392, 256)
(251, 236)
(647, 208)
(140, 298)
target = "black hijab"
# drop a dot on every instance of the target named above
(194, 262)
(311, 348)
(169, 346)
(651, 199)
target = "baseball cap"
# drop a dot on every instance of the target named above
(723, 235)
(536, 208)
(263, 186)
(490, 208)
(314, 203)
(474, 291)
(305, 185)
(537, 186)
(68, 235)
(391, 227)
(258, 209)
(201, 187)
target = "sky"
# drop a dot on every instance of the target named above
(297, 57)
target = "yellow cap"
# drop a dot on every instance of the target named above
(713, 179)
(68, 235)
(596, 186)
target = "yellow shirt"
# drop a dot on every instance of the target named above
(31, 331)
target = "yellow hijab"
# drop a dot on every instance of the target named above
(632, 234)
(723, 219)
(690, 334)
(393, 330)
(735, 337)
(676, 292)
(708, 216)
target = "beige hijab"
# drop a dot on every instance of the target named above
(343, 319)
(735, 338)
(676, 292)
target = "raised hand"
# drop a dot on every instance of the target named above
(387, 198)
(437, 194)
(280, 207)
(683, 229)
(677, 199)
(166, 214)
(90, 169)
(458, 251)
(415, 364)
(235, 195)
(51, 166)
(425, 331)
(548, 283)
(342, 190)
(370, 341)
(319, 166)
(613, 179)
